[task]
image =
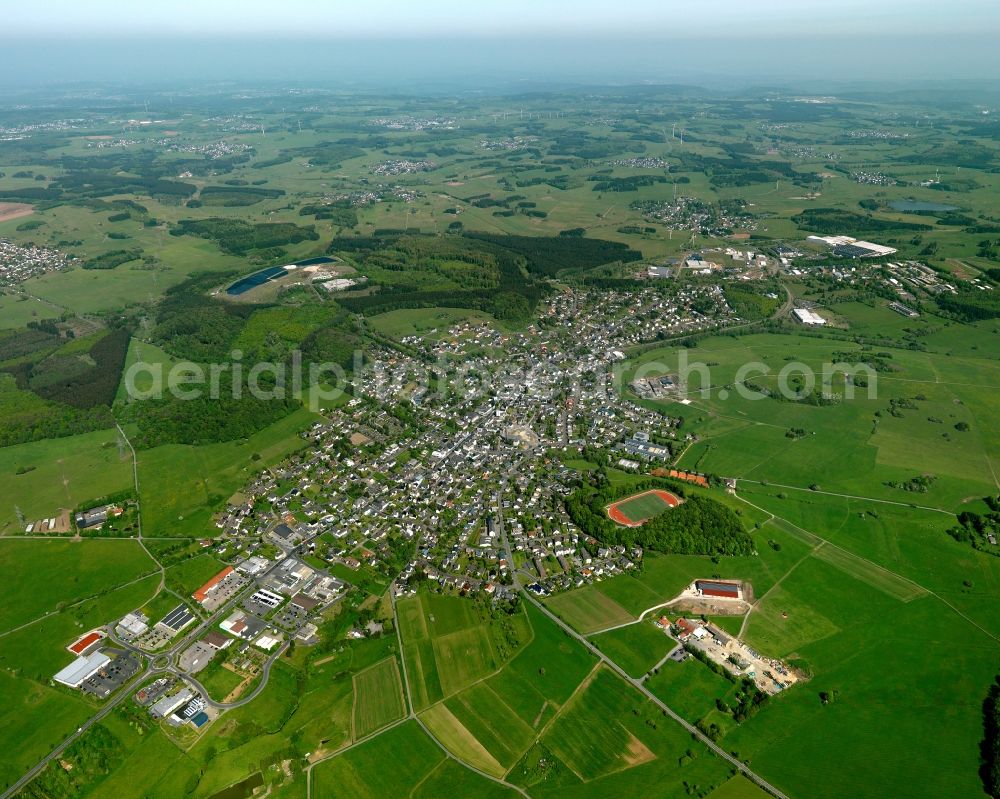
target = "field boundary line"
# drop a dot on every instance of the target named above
(911, 505)
(427, 776)
(928, 591)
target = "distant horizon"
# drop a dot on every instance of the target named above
(489, 61)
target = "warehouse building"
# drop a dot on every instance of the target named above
(807, 317)
(81, 668)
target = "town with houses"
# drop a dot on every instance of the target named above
(443, 468)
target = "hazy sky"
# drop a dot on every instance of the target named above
(414, 18)
(495, 42)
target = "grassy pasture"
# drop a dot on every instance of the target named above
(588, 610)
(452, 779)
(543, 673)
(446, 646)
(378, 697)
(448, 729)
(189, 575)
(910, 542)
(183, 485)
(16, 310)
(899, 669)
(690, 687)
(636, 648)
(61, 473)
(485, 714)
(390, 764)
(43, 575)
(588, 736)
(423, 321)
(739, 787)
(847, 448)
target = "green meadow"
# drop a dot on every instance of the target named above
(183, 485)
(45, 576)
(60, 473)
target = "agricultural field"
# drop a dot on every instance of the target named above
(690, 688)
(184, 484)
(588, 609)
(746, 437)
(378, 697)
(362, 772)
(446, 646)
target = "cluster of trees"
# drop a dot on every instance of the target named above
(990, 746)
(193, 326)
(751, 302)
(236, 196)
(836, 221)
(975, 528)
(698, 526)
(238, 237)
(23, 422)
(492, 277)
(109, 260)
(98, 384)
(102, 184)
(331, 153)
(630, 183)
(93, 756)
(970, 304)
(204, 420)
(340, 213)
(920, 484)
(548, 255)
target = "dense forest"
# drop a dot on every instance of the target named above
(834, 221)
(204, 420)
(548, 255)
(698, 526)
(454, 272)
(237, 237)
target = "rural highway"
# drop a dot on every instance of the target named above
(123, 693)
(638, 683)
(151, 671)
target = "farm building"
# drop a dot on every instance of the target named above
(720, 588)
(81, 668)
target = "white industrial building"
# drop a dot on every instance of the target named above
(807, 317)
(169, 704)
(82, 668)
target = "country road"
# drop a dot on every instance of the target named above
(637, 682)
